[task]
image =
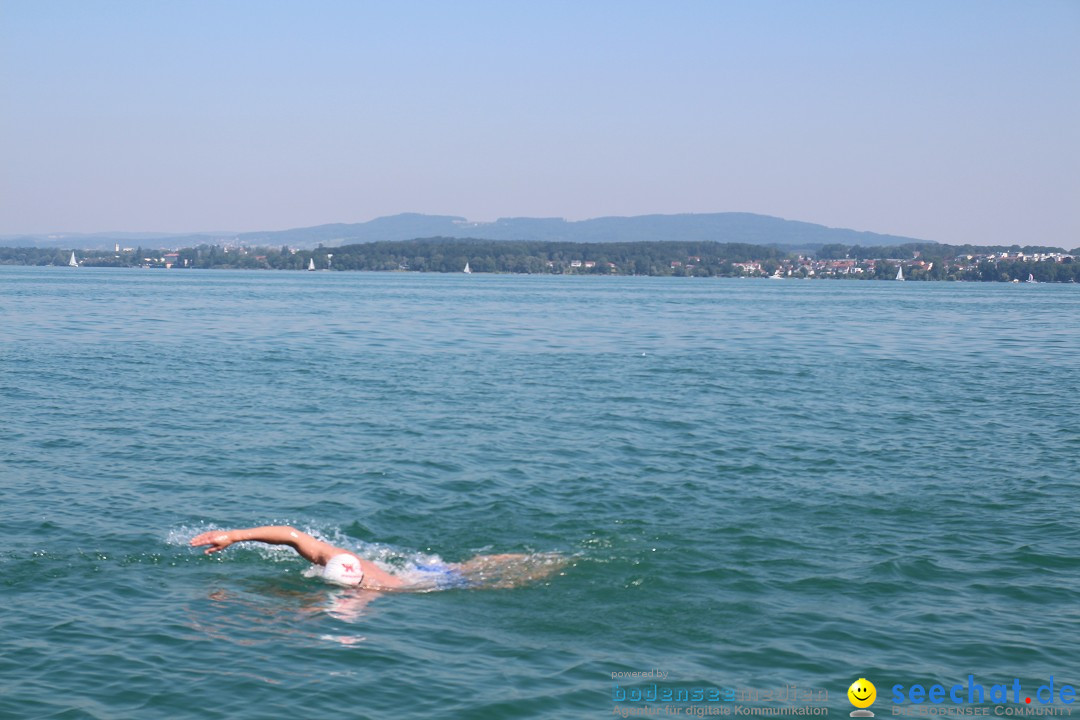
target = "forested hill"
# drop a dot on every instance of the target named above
(451, 254)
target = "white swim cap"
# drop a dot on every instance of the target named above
(344, 570)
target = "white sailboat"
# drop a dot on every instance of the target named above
(900, 273)
(467, 270)
(1031, 278)
(73, 262)
(311, 265)
(776, 275)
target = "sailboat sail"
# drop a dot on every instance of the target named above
(467, 269)
(311, 264)
(900, 273)
(73, 262)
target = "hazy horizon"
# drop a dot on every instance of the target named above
(955, 123)
(468, 220)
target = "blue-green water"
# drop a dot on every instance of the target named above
(759, 483)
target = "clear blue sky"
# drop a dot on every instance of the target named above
(954, 121)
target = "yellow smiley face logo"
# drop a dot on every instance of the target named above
(862, 693)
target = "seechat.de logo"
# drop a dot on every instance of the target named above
(862, 695)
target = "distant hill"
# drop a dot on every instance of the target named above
(106, 240)
(718, 227)
(703, 227)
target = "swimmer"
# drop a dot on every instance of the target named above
(340, 566)
(344, 567)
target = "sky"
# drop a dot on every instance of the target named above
(953, 121)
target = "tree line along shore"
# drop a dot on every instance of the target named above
(914, 261)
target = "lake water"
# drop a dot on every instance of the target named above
(759, 484)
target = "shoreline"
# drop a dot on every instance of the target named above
(822, 277)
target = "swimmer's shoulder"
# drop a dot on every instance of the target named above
(375, 577)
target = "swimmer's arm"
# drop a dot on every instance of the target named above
(313, 550)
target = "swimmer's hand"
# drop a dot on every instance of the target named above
(218, 540)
